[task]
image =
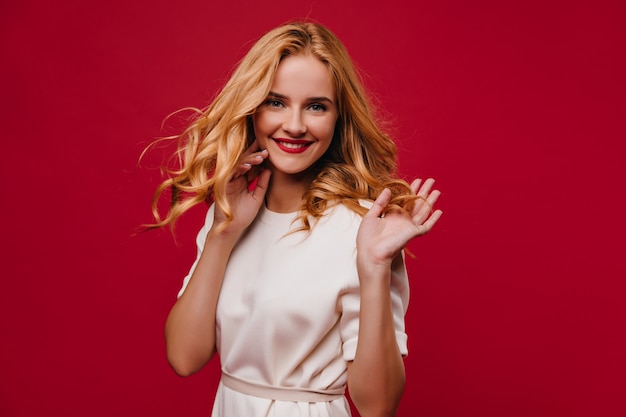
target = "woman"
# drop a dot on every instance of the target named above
(299, 282)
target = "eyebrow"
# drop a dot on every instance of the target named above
(273, 94)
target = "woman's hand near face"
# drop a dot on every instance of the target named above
(190, 327)
(245, 203)
(382, 237)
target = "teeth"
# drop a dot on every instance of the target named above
(293, 145)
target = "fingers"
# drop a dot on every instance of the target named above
(255, 158)
(424, 190)
(424, 204)
(379, 204)
(261, 185)
(426, 198)
(415, 185)
(428, 224)
(251, 157)
(423, 207)
(423, 228)
(424, 218)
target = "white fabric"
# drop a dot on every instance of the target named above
(288, 312)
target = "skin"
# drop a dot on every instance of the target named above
(301, 107)
(376, 376)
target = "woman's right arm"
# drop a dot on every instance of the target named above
(190, 325)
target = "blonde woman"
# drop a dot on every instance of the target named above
(299, 283)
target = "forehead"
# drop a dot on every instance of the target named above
(303, 76)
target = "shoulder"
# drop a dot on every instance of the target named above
(355, 209)
(342, 215)
(351, 210)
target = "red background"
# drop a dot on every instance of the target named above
(516, 108)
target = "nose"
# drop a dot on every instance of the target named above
(294, 124)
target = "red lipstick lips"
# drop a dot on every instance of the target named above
(292, 145)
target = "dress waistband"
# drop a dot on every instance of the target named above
(280, 393)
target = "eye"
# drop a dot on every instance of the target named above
(317, 107)
(272, 102)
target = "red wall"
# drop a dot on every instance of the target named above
(517, 108)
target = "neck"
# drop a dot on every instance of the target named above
(284, 194)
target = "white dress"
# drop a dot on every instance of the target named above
(288, 316)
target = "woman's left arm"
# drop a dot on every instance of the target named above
(376, 375)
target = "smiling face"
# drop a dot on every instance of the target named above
(296, 122)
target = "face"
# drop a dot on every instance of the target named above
(297, 120)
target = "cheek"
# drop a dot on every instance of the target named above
(264, 123)
(323, 129)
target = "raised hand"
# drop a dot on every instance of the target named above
(381, 236)
(244, 202)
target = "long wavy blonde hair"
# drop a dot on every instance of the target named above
(359, 164)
